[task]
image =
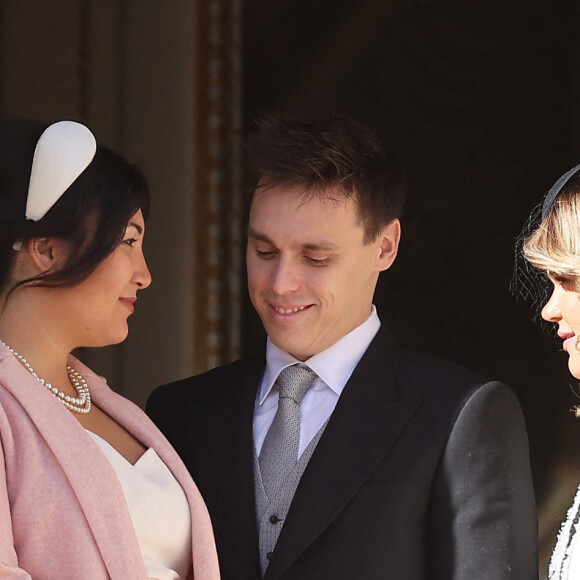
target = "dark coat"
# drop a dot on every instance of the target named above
(422, 473)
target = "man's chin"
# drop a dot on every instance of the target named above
(296, 349)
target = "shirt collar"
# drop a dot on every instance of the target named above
(333, 365)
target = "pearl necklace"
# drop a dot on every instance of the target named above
(80, 404)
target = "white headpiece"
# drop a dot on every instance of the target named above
(62, 153)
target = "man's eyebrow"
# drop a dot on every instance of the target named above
(258, 236)
(322, 245)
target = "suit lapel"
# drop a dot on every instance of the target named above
(233, 492)
(368, 419)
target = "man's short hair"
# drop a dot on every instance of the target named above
(329, 156)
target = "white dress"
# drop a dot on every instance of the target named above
(565, 562)
(159, 510)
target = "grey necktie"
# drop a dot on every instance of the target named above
(280, 449)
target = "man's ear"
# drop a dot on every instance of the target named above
(48, 254)
(389, 239)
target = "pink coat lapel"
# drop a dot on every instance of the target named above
(205, 562)
(87, 472)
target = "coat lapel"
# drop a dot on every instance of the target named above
(230, 494)
(67, 440)
(142, 428)
(367, 421)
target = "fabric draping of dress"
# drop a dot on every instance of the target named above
(158, 509)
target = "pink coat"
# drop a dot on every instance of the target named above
(62, 510)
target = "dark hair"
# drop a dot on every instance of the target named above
(92, 214)
(332, 153)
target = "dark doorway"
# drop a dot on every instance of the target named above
(480, 101)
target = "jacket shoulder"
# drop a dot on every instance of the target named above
(416, 365)
(210, 384)
(418, 373)
(445, 383)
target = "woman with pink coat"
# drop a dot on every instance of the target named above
(89, 488)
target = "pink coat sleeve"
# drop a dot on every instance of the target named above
(62, 503)
(8, 560)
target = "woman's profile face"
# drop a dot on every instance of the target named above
(103, 303)
(563, 309)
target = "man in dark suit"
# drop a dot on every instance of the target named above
(333, 453)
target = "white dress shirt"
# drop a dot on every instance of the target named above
(333, 367)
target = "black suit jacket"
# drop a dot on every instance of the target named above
(422, 473)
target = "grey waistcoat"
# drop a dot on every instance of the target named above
(270, 514)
